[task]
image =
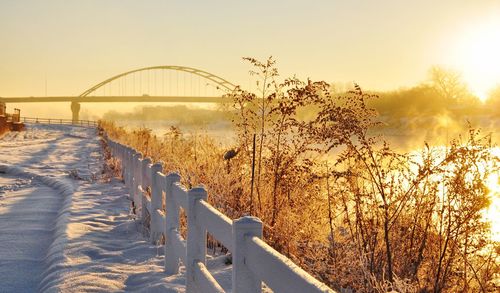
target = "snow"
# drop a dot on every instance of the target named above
(22, 250)
(66, 226)
(63, 227)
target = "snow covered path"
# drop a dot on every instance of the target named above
(23, 250)
(64, 226)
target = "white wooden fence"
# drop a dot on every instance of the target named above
(36, 120)
(254, 261)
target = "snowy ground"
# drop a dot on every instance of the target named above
(64, 228)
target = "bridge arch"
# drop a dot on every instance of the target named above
(223, 83)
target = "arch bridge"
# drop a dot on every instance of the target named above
(166, 84)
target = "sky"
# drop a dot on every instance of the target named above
(63, 47)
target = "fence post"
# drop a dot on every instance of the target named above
(146, 178)
(122, 153)
(119, 152)
(145, 183)
(137, 171)
(130, 170)
(244, 281)
(117, 149)
(196, 236)
(125, 166)
(156, 201)
(133, 162)
(172, 224)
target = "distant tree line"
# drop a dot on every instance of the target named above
(179, 114)
(443, 94)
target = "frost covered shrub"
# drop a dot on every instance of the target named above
(337, 200)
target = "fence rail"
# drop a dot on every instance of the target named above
(253, 260)
(84, 123)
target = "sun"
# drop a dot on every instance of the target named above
(477, 55)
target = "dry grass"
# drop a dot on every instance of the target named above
(371, 219)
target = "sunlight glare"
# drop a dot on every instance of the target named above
(477, 55)
(493, 212)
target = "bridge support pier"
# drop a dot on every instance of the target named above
(75, 110)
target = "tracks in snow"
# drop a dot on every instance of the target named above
(63, 234)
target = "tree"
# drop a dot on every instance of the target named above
(493, 100)
(448, 83)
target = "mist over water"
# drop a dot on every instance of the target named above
(221, 131)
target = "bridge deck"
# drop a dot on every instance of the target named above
(114, 99)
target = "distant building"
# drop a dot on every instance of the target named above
(10, 122)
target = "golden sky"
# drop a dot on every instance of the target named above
(70, 45)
